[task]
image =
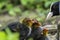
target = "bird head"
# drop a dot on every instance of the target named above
(45, 31)
(36, 24)
(54, 10)
(24, 20)
(28, 22)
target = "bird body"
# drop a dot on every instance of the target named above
(36, 30)
(26, 30)
(36, 33)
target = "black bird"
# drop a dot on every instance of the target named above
(25, 29)
(39, 32)
(36, 30)
(45, 35)
(54, 10)
(14, 26)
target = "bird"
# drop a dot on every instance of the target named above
(45, 35)
(39, 32)
(25, 30)
(36, 29)
(54, 10)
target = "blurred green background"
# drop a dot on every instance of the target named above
(37, 9)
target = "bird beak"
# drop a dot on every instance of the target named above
(50, 14)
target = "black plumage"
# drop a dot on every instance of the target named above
(36, 33)
(55, 8)
(13, 27)
(36, 30)
(24, 30)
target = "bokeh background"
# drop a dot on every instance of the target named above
(19, 9)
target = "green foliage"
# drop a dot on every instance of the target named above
(15, 11)
(9, 35)
(2, 36)
(24, 2)
(9, 6)
(2, 4)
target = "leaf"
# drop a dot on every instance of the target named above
(12, 13)
(31, 1)
(24, 2)
(3, 36)
(17, 10)
(2, 4)
(47, 3)
(9, 6)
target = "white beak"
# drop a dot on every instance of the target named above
(50, 14)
